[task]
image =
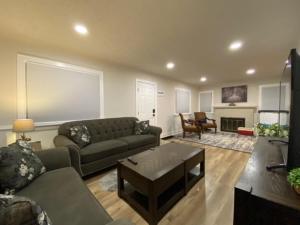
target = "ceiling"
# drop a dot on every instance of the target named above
(146, 34)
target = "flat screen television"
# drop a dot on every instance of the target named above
(290, 88)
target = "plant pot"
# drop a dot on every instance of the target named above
(297, 190)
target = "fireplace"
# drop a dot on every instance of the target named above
(231, 124)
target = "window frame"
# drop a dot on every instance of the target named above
(22, 60)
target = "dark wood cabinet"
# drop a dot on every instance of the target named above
(264, 197)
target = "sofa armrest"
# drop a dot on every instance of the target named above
(55, 158)
(156, 131)
(63, 141)
(120, 222)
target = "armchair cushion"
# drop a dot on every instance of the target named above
(201, 121)
(102, 149)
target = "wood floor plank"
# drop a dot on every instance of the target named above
(209, 202)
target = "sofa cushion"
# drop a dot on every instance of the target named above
(80, 135)
(142, 127)
(16, 210)
(101, 150)
(135, 141)
(66, 199)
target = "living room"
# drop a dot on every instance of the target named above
(205, 81)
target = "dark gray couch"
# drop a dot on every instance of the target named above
(62, 194)
(112, 139)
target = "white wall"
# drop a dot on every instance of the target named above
(119, 89)
(253, 91)
(252, 97)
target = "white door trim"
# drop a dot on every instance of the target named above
(137, 99)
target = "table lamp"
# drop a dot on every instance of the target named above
(22, 126)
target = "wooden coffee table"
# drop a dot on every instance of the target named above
(153, 181)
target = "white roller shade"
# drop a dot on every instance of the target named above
(56, 92)
(206, 101)
(183, 101)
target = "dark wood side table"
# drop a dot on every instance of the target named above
(153, 181)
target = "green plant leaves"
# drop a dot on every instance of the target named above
(274, 130)
(294, 177)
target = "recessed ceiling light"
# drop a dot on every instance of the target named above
(250, 71)
(235, 45)
(203, 79)
(81, 29)
(287, 61)
(170, 65)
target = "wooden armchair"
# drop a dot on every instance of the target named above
(189, 126)
(202, 121)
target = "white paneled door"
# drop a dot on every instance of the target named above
(146, 102)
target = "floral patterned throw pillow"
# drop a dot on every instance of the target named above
(16, 210)
(19, 166)
(142, 127)
(80, 135)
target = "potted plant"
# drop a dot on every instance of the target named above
(294, 179)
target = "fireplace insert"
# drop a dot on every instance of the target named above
(231, 124)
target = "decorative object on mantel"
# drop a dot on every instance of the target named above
(294, 179)
(234, 94)
(224, 140)
(22, 126)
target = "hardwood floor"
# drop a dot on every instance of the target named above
(209, 202)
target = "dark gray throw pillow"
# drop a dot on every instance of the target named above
(18, 167)
(80, 135)
(17, 210)
(202, 121)
(142, 127)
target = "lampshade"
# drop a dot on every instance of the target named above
(23, 125)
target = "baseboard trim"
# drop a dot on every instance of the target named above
(172, 133)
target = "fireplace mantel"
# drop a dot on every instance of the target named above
(254, 107)
(239, 111)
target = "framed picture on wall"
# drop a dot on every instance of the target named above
(234, 94)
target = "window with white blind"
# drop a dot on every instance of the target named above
(206, 101)
(269, 97)
(269, 100)
(183, 100)
(51, 92)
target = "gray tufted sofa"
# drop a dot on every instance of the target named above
(111, 139)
